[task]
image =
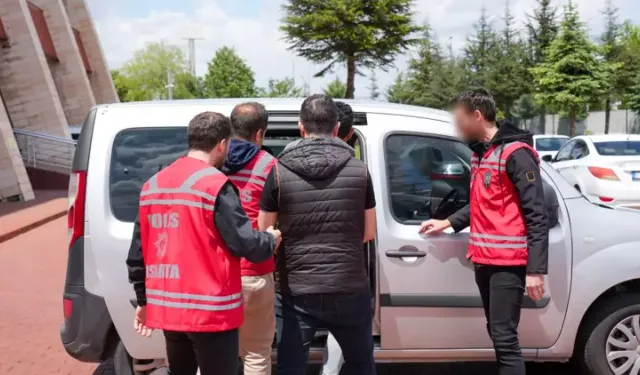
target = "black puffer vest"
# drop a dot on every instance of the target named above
(321, 216)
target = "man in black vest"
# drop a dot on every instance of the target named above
(323, 199)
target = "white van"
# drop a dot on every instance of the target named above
(427, 306)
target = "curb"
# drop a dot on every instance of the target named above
(38, 223)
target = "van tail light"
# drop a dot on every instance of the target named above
(67, 308)
(606, 199)
(604, 173)
(77, 195)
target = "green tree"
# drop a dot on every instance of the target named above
(612, 47)
(228, 76)
(374, 92)
(525, 108)
(542, 28)
(634, 97)
(336, 89)
(572, 75)
(358, 34)
(121, 83)
(629, 57)
(145, 76)
(282, 88)
(399, 91)
(509, 65)
(479, 53)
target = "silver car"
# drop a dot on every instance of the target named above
(427, 306)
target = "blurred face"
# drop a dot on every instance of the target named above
(219, 153)
(470, 124)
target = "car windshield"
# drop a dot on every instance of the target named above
(550, 144)
(618, 148)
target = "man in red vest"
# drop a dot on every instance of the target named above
(184, 260)
(247, 167)
(509, 235)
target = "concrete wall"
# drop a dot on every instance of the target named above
(13, 175)
(104, 90)
(69, 74)
(621, 121)
(29, 91)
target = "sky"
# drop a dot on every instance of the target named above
(252, 28)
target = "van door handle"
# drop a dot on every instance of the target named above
(406, 252)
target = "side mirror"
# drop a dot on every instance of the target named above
(547, 158)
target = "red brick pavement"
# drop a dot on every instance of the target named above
(32, 268)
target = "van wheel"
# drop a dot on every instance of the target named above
(122, 361)
(608, 342)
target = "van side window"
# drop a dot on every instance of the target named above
(428, 177)
(138, 154)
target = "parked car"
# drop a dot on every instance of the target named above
(605, 168)
(548, 145)
(427, 306)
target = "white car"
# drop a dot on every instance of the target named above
(548, 145)
(605, 168)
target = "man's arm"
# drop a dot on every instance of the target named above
(524, 171)
(269, 204)
(235, 228)
(135, 265)
(370, 212)
(460, 219)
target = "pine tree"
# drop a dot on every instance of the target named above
(542, 28)
(611, 44)
(508, 75)
(336, 89)
(374, 92)
(634, 97)
(425, 72)
(572, 74)
(480, 50)
(358, 34)
(399, 91)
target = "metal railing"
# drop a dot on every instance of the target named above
(45, 151)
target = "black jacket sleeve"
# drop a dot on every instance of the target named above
(460, 219)
(524, 171)
(235, 228)
(135, 265)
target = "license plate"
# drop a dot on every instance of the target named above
(635, 175)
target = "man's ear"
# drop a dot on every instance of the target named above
(259, 137)
(349, 136)
(222, 146)
(301, 128)
(336, 128)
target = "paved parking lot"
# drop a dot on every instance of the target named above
(32, 269)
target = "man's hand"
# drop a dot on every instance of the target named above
(277, 235)
(434, 226)
(140, 322)
(535, 286)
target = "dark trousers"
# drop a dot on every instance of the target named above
(347, 316)
(213, 352)
(502, 290)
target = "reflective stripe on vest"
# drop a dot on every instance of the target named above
(257, 174)
(185, 188)
(233, 300)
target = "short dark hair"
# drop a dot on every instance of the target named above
(248, 118)
(319, 114)
(345, 116)
(206, 130)
(480, 100)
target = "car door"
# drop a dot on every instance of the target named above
(428, 295)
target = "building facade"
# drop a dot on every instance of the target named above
(52, 71)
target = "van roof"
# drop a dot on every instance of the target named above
(290, 105)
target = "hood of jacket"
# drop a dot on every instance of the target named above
(507, 132)
(316, 158)
(240, 153)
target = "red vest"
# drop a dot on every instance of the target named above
(192, 281)
(498, 232)
(250, 182)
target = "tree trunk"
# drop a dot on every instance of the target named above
(543, 119)
(607, 114)
(351, 77)
(572, 126)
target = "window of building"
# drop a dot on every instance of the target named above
(428, 177)
(40, 22)
(83, 52)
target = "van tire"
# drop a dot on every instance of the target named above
(589, 354)
(122, 361)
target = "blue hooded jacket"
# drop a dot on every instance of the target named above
(240, 153)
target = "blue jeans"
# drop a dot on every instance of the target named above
(347, 316)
